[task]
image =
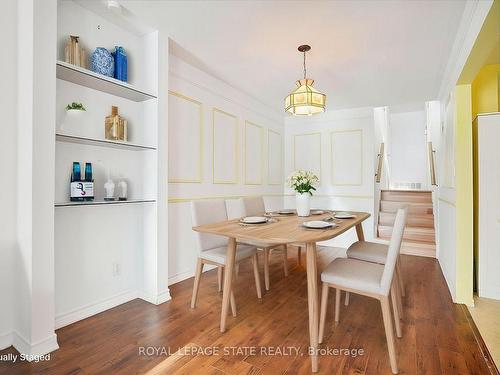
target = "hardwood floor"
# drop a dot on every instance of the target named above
(437, 336)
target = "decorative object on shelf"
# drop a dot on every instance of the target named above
(81, 190)
(122, 190)
(102, 62)
(305, 99)
(74, 53)
(115, 127)
(109, 188)
(120, 63)
(75, 107)
(303, 183)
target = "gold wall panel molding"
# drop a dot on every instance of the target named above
(280, 182)
(199, 178)
(261, 153)
(235, 158)
(360, 155)
(295, 151)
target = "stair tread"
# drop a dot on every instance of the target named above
(409, 203)
(410, 227)
(407, 191)
(413, 215)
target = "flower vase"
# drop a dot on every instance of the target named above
(303, 204)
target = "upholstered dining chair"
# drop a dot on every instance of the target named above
(368, 279)
(254, 206)
(212, 248)
(377, 253)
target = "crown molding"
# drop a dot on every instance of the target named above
(473, 17)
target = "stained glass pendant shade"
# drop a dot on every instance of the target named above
(305, 100)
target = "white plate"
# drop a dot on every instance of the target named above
(286, 212)
(317, 224)
(344, 215)
(254, 220)
(317, 212)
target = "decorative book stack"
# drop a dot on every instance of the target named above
(74, 53)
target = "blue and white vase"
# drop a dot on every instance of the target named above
(120, 64)
(102, 62)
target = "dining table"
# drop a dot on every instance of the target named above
(290, 230)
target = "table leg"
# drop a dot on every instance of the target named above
(313, 302)
(228, 280)
(359, 232)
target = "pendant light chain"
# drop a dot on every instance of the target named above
(304, 64)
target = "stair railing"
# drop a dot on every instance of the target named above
(380, 162)
(432, 163)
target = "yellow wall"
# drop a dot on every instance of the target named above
(485, 90)
(476, 92)
(464, 194)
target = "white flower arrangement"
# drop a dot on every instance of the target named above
(302, 181)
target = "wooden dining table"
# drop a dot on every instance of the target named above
(284, 229)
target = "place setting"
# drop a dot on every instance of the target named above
(256, 220)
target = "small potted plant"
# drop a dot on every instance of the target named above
(303, 182)
(75, 107)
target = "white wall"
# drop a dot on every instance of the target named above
(8, 151)
(241, 164)
(408, 147)
(446, 197)
(339, 147)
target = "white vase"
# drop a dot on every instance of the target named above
(303, 204)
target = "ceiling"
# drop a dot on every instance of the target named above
(364, 53)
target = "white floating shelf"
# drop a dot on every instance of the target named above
(103, 203)
(61, 137)
(96, 81)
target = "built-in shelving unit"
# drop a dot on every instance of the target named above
(103, 203)
(61, 137)
(88, 78)
(105, 256)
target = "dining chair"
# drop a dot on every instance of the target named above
(212, 248)
(371, 280)
(376, 253)
(254, 206)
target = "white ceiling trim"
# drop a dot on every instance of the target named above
(475, 13)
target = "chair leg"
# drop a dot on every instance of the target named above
(322, 318)
(299, 255)
(389, 334)
(347, 295)
(255, 262)
(196, 286)
(285, 259)
(399, 273)
(233, 304)
(219, 277)
(395, 310)
(236, 271)
(266, 268)
(399, 299)
(232, 300)
(337, 305)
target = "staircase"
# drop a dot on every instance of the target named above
(419, 237)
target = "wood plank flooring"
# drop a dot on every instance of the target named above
(437, 336)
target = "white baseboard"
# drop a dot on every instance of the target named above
(81, 313)
(156, 299)
(5, 340)
(489, 293)
(42, 347)
(181, 276)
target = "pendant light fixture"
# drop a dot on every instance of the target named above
(305, 100)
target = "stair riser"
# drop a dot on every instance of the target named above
(395, 196)
(392, 207)
(413, 221)
(410, 235)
